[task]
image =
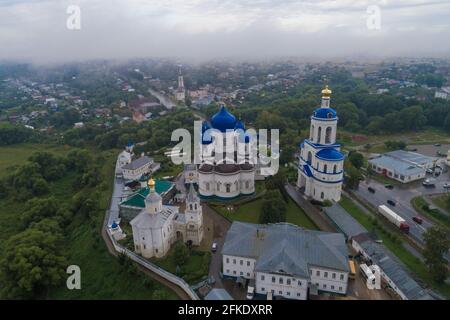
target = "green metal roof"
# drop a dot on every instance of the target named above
(138, 198)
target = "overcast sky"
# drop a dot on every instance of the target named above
(206, 29)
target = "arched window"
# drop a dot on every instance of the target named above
(247, 184)
(328, 135)
(325, 167)
(207, 185)
(190, 207)
(228, 187)
(322, 195)
(195, 206)
(309, 157)
(311, 134)
(319, 133)
(335, 169)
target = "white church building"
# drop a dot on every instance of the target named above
(225, 175)
(321, 163)
(158, 226)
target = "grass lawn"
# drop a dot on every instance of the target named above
(437, 216)
(11, 156)
(102, 276)
(427, 136)
(442, 201)
(250, 212)
(195, 270)
(383, 179)
(412, 263)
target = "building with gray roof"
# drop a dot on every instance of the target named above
(403, 166)
(218, 294)
(392, 271)
(343, 221)
(138, 167)
(286, 259)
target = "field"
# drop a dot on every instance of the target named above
(11, 156)
(250, 212)
(102, 276)
(427, 136)
(414, 265)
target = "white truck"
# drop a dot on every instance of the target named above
(393, 218)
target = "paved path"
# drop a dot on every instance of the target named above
(221, 226)
(318, 217)
(164, 100)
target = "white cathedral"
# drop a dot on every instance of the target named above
(321, 163)
(158, 226)
(223, 174)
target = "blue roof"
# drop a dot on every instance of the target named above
(114, 225)
(325, 113)
(240, 125)
(307, 170)
(205, 126)
(330, 154)
(223, 120)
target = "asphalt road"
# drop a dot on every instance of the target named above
(221, 226)
(402, 195)
(164, 100)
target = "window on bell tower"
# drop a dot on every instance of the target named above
(328, 135)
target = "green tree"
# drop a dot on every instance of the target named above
(274, 208)
(32, 263)
(352, 175)
(181, 254)
(37, 209)
(356, 159)
(437, 243)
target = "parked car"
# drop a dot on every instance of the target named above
(371, 189)
(429, 182)
(418, 219)
(214, 247)
(446, 185)
(250, 290)
(389, 186)
(430, 171)
(437, 144)
(391, 202)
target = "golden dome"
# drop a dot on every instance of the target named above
(151, 183)
(326, 92)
